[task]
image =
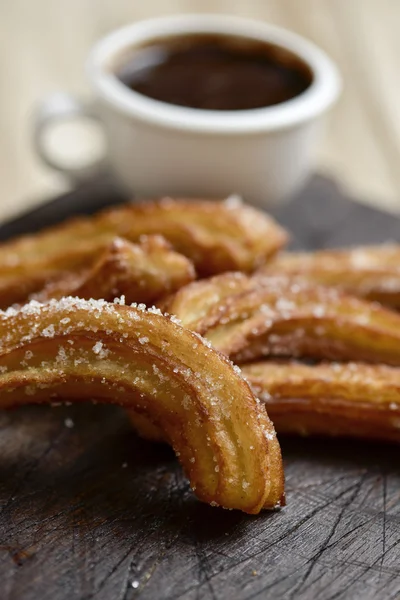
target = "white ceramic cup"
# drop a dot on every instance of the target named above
(157, 149)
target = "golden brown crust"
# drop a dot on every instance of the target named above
(214, 235)
(352, 399)
(197, 305)
(77, 350)
(371, 272)
(282, 316)
(142, 272)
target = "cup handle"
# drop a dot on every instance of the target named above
(53, 110)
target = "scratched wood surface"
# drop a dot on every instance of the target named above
(89, 511)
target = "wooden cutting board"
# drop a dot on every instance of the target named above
(89, 511)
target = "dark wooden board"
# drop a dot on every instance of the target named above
(87, 511)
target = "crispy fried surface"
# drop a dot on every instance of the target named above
(371, 272)
(78, 350)
(198, 305)
(141, 272)
(21, 278)
(351, 399)
(214, 235)
(282, 316)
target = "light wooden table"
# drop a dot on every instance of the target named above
(43, 45)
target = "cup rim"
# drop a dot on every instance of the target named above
(316, 99)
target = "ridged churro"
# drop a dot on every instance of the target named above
(78, 350)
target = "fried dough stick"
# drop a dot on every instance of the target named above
(349, 399)
(282, 316)
(141, 272)
(371, 272)
(77, 350)
(216, 236)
